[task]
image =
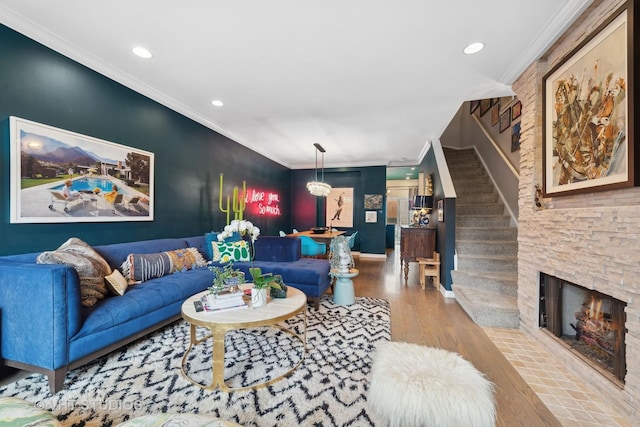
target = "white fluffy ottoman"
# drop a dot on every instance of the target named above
(413, 385)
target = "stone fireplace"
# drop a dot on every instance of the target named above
(590, 238)
(588, 323)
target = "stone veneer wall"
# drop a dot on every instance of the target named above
(591, 239)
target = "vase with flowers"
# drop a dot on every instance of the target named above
(261, 282)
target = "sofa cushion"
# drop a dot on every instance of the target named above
(231, 251)
(89, 265)
(141, 267)
(116, 282)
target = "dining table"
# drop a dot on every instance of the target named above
(319, 237)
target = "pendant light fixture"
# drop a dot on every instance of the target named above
(319, 188)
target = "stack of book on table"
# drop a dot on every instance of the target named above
(223, 301)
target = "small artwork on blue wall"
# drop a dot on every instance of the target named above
(61, 176)
(515, 137)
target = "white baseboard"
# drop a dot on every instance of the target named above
(446, 293)
(370, 256)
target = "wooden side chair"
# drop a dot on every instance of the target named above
(429, 267)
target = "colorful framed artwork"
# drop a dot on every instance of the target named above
(440, 210)
(588, 139)
(373, 201)
(515, 137)
(505, 120)
(60, 176)
(516, 110)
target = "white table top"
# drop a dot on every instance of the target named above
(276, 309)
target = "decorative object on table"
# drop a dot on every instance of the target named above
(340, 256)
(319, 230)
(225, 278)
(237, 204)
(223, 301)
(587, 110)
(422, 206)
(339, 207)
(262, 282)
(319, 188)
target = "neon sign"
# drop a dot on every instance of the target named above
(263, 202)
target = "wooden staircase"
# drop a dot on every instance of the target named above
(485, 282)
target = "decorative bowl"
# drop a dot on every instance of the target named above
(319, 230)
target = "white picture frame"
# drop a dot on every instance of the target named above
(44, 158)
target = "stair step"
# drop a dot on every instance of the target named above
(472, 209)
(483, 233)
(494, 247)
(505, 282)
(488, 309)
(482, 221)
(486, 281)
(487, 262)
(481, 198)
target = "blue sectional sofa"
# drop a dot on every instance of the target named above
(44, 327)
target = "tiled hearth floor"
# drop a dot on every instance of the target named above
(560, 391)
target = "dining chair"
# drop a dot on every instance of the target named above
(311, 248)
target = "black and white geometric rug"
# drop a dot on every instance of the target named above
(328, 389)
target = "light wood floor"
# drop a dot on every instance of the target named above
(425, 317)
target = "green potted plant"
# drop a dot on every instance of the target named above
(262, 282)
(225, 278)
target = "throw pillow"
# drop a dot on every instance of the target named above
(138, 268)
(211, 239)
(89, 265)
(116, 282)
(231, 251)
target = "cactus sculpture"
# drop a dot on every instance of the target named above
(237, 204)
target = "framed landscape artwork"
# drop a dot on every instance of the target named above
(60, 176)
(588, 96)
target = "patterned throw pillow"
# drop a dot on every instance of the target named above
(231, 251)
(89, 265)
(138, 268)
(116, 282)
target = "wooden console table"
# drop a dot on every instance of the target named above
(416, 242)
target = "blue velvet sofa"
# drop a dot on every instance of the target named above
(44, 328)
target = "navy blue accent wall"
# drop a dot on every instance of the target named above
(446, 230)
(309, 211)
(41, 85)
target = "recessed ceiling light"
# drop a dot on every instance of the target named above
(473, 48)
(217, 103)
(142, 52)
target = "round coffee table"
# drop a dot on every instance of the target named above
(276, 311)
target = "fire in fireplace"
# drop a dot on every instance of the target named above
(589, 323)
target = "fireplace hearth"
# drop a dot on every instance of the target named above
(587, 322)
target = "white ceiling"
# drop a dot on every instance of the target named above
(372, 81)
